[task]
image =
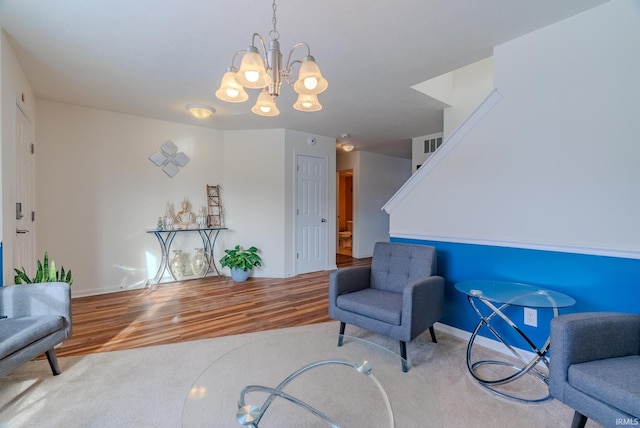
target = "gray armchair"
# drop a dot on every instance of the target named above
(398, 296)
(36, 318)
(595, 366)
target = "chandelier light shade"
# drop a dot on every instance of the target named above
(308, 103)
(230, 90)
(310, 80)
(200, 111)
(252, 73)
(267, 72)
(265, 105)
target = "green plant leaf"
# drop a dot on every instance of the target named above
(46, 272)
(67, 279)
(45, 268)
(21, 277)
(241, 259)
(52, 276)
(39, 273)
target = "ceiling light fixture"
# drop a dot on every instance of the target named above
(268, 75)
(200, 111)
(346, 145)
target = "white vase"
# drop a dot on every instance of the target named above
(177, 265)
(199, 263)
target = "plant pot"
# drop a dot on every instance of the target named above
(239, 275)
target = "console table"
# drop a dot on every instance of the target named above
(507, 294)
(209, 235)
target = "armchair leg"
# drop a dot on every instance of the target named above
(579, 420)
(341, 336)
(433, 334)
(403, 354)
(53, 361)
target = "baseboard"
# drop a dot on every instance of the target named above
(494, 345)
(99, 291)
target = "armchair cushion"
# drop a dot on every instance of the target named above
(18, 333)
(395, 266)
(616, 381)
(376, 304)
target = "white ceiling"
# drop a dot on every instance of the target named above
(152, 57)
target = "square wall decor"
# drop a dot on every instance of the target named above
(169, 159)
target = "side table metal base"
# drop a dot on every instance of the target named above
(526, 367)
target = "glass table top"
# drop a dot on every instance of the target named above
(514, 293)
(343, 394)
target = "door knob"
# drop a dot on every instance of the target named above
(324, 220)
(21, 230)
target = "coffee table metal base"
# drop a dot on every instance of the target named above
(306, 380)
(250, 415)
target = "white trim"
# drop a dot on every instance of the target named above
(494, 345)
(561, 248)
(447, 146)
(99, 291)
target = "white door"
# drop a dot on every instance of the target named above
(311, 210)
(24, 241)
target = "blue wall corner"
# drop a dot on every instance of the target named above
(597, 283)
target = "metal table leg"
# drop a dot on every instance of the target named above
(165, 250)
(209, 243)
(527, 367)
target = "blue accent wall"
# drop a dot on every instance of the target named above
(597, 283)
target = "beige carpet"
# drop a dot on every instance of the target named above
(147, 387)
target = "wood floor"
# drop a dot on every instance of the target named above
(197, 309)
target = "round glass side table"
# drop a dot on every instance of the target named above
(493, 297)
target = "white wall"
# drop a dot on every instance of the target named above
(375, 179)
(259, 194)
(418, 155)
(13, 85)
(254, 195)
(470, 85)
(97, 191)
(554, 164)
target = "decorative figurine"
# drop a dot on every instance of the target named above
(201, 218)
(185, 217)
(168, 218)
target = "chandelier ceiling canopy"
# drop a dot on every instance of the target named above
(267, 73)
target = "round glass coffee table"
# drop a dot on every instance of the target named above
(306, 380)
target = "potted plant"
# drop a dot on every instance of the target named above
(46, 272)
(241, 262)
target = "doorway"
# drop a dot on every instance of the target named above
(24, 240)
(345, 213)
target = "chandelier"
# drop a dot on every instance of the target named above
(268, 75)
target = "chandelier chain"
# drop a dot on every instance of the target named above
(274, 34)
